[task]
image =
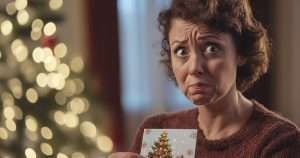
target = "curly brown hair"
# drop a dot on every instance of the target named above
(231, 16)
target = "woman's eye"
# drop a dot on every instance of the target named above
(180, 52)
(211, 48)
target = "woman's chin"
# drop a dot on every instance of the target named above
(200, 100)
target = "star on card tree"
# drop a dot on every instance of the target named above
(161, 148)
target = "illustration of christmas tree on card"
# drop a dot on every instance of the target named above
(169, 143)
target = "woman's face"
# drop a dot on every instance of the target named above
(204, 62)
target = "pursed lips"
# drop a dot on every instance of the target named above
(198, 87)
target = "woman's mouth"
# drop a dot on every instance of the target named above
(199, 88)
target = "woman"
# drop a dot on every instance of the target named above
(215, 50)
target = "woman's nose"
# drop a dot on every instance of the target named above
(196, 65)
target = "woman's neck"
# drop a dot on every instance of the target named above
(225, 117)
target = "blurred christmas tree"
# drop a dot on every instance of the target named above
(47, 110)
(161, 148)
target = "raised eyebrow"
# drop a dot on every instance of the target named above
(209, 36)
(178, 41)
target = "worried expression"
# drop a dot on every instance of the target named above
(203, 61)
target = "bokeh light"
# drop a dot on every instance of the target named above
(46, 149)
(46, 133)
(78, 155)
(55, 4)
(32, 95)
(6, 27)
(49, 29)
(60, 50)
(71, 120)
(21, 4)
(11, 8)
(11, 125)
(31, 123)
(15, 85)
(9, 113)
(104, 143)
(42, 79)
(61, 155)
(3, 133)
(88, 129)
(23, 17)
(77, 64)
(30, 153)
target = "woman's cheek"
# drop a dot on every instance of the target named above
(180, 75)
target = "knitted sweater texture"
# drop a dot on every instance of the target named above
(264, 135)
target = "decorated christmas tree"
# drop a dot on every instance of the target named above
(47, 108)
(161, 148)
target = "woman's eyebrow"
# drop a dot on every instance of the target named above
(209, 36)
(178, 41)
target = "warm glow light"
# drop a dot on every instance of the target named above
(77, 105)
(15, 86)
(35, 35)
(7, 99)
(32, 95)
(10, 8)
(21, 53)
(47, 52)
(71, 120)
(104, 143)
(64, 70)
(79, 86)
(59, 117)
(61, 155)
(37, 25)
(50, 63)
(32, 136)
(15, 44)
(11, 125)
(60, 98)
(50, 29)
(88, 129)
(6, 27)
(3, 133)
(0, 54)
(78, 155)
(9, 113)
(46, 149)
(70, 88)
(56, 81)
(38, 54)
(23, 17)
(77, 64)
(29, 70)
(19, 113)
(86, 103)
(21, 4)
(55, 4)
(30, 153)
(31, 123)
(42, 79)
(60, 50)
(46, 133)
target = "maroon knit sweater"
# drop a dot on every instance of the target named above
(265, 135)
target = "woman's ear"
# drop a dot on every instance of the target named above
(241, 61)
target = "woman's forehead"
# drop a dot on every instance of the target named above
(182, 30)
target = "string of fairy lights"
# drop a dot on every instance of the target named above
(31, 72)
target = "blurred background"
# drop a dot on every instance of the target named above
(77, 77)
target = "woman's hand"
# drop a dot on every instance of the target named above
(125, 155)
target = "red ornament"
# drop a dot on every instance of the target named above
(49, 41)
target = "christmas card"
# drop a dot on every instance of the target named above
(169, 143)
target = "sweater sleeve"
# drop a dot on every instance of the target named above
(283, 145)
(150, 122)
